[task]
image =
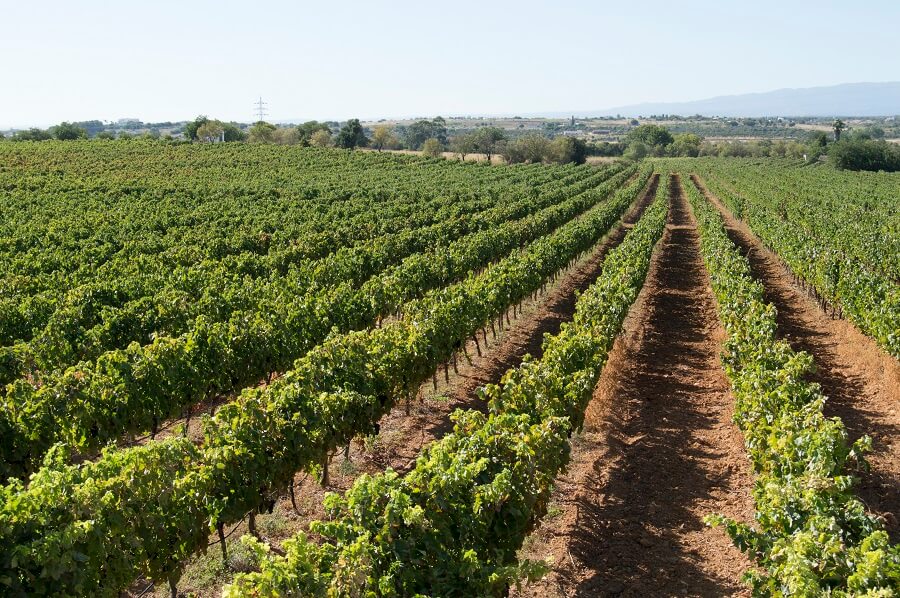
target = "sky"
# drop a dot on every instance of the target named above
(172, 60)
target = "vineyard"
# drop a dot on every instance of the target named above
(257, 370)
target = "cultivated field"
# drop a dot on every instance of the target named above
(401, 376)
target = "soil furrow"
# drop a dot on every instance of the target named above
(408, 428)
(861, 381)
(540, 315)
(404, 433)
(659, 451)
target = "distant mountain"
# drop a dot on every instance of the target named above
(849, 99)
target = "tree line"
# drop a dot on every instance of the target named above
(429, 136)
(864, 148)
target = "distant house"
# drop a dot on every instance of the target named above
(570, 133)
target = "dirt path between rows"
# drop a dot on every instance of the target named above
(658, 452)
(861, 381)
(544, 313)
(403, 434)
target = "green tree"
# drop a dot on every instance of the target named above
(838, 125)
(605, 148)
(816, 146)
(564, 150)
(66, 131)
(652, 136)
(865, 155)
(779, 148)
(872, 132)
(190, 129)
(795, 150)
(636, 150)
(735, 149)
(708, 148)
(310, 128)
(686, 144)
(233, 132)
(382, 137)
(432, 148)
(262, 132)
(33, 134)
(417, 133)
(818, 139)
(532, 147)
(210, 131)
(351, 135)
(487, 141)
(320, 139)
(463, 145)
(93, 127)
(287, 136)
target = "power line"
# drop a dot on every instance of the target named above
(260, 109)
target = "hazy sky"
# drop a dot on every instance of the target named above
(171, 60)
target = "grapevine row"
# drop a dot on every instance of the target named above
(813, 537)
(130, 240)
(452, 526)
(132, 390)
(840, 236)
(109, 313)
(122, 195)
(94, 527)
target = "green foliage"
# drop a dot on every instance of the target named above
(261, 132)
(862, 154)
(33, 134)
(463, 145)
(837, 231)
(415, 135)
(383, 137)
(452, 526)
(210, 132)
(488, 141)
(335, 391)
(838, 127)
(685, 145)
(816, 146)
(190, 129)
(91, 127)
(308, 129)
(564, 150)
(635, 151)
(218, 351)
(866, 133)
(351, 135)
(605, 148)
(432, 148)
(66, 131)
(532, 148)
(813, 536)
(652, 136)
(233, 132)
(321, 138)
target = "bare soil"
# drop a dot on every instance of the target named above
(409, 427)
(861, 381)
(659, 451)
